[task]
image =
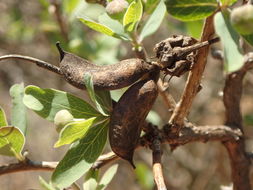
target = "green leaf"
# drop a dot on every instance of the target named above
(194, 28)
(115, 25)
(107, 177)
(91, 180)
(80, 157)
(18, 111)
(11, 142)
(230, 41)
(74, 131)
(102, 99)
(99, 27)
(227, 2)
(144, 176)
(132, 16)
(3, 121)
(47, 102)
(248, 38)
(189, 10)
(154, 21)
(45, 185)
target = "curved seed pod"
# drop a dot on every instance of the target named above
(109, 77)
(128, 117)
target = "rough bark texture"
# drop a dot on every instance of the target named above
(240, 163)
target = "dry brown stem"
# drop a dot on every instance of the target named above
(157, 165)
(240, 162)
(193, 81)
(38, 62)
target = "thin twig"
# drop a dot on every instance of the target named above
(104, 159)
(157, 166)
(38, 62)
(193, 81)
(27, 165)
(167, 97)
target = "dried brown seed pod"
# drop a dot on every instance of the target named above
(128, 117)
(109, 77)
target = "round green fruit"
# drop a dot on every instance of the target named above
(62, 118)
(242, 19)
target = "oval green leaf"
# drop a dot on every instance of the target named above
(80, 157)
(18, 110)
(99, 27)
(154, 21)
(74, 131)
(47, 102)
(132, 16)
(3, 121)
(12, 142)
(189, 10)
(230, 41)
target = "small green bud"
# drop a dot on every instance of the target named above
(62, 118)
(242, 19)
(116, 8)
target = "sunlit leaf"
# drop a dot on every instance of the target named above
(189, 10)
(18, 111)
(45, 185)
(154, 21)
(132, 16)
(227, 2)
(74, 131)
(99, 27)
(11, 142)
(91, 180)
(3, 121)
(47, 102)
(230, 41)
(80, 157)
(107, 177)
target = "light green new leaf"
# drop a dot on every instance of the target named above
(132, 16)
(102, 99)
(189, 10)
(230, 41)
(154, 21)
(74, 131)
(80, 157)
(45, 185)
(47, 102)
(115, 25)
(227, 2)
(107, 177)
(99, 27)
(18, 110)
(11, 142)
(3, 121)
